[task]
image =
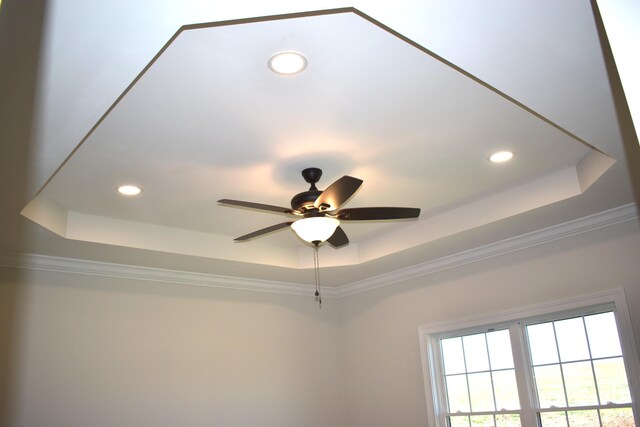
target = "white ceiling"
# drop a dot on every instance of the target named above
(206, 120)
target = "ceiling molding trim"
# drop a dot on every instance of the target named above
(546, 235)
(151, 274)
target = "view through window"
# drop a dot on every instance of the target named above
(480, 380)
(565, 371)
(579, 372)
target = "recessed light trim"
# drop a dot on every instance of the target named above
(129, 190)
(287, 63)
(501, 157)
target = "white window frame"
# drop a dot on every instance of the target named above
(430, 335)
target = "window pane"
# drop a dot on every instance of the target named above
(572, 340)
(481, 392)
(549, 386)
(459, 421)
(500, 352)
(542, 343)
(603, 335)
(581, 387)
(508, 420)
(457, 393)
(453, 356)
(482, 421)
(506, 390)
(553, 419)
(619, 417)
(475, 348)
(583, 418)
(612, 381)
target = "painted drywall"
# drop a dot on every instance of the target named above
(106, 351)
(379, 339)
(20, 37)
(98, 351)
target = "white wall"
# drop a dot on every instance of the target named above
(379, 337)
(103, 352)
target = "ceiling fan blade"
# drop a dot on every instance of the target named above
(258, 206)
(338, 193)
(338, 238)
(370, 214)
(263, 231)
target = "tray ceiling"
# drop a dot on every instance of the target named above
(207, 119)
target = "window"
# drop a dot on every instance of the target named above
(563, 368)
(479, 379)
(579, 373)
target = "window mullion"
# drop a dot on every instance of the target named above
(466, 375)
(560, 365)
(493, 388)
(524, 378)
(593, 370)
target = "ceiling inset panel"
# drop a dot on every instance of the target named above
(208, 119)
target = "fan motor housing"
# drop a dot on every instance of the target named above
(304, 201)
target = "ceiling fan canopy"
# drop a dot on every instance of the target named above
(319, 212)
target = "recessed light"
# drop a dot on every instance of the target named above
(501, 157)
(287, 63)
(129, 190)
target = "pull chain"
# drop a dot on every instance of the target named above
(316, 267)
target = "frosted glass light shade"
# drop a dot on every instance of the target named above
(313, 229)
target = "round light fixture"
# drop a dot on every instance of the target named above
(501, 157)
(315, 228)
(129, 190)
(287, 63)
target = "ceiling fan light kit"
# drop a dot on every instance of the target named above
(319, 211)
(315, 228)
(321, 214)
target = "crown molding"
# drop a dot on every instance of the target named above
(151, 274)
(540, 237)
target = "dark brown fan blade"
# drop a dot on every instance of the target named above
(259, 206)
(338, 193)
(263, 231)
(370, 214)
(338, 238)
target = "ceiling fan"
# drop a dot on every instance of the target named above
(319, 214)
